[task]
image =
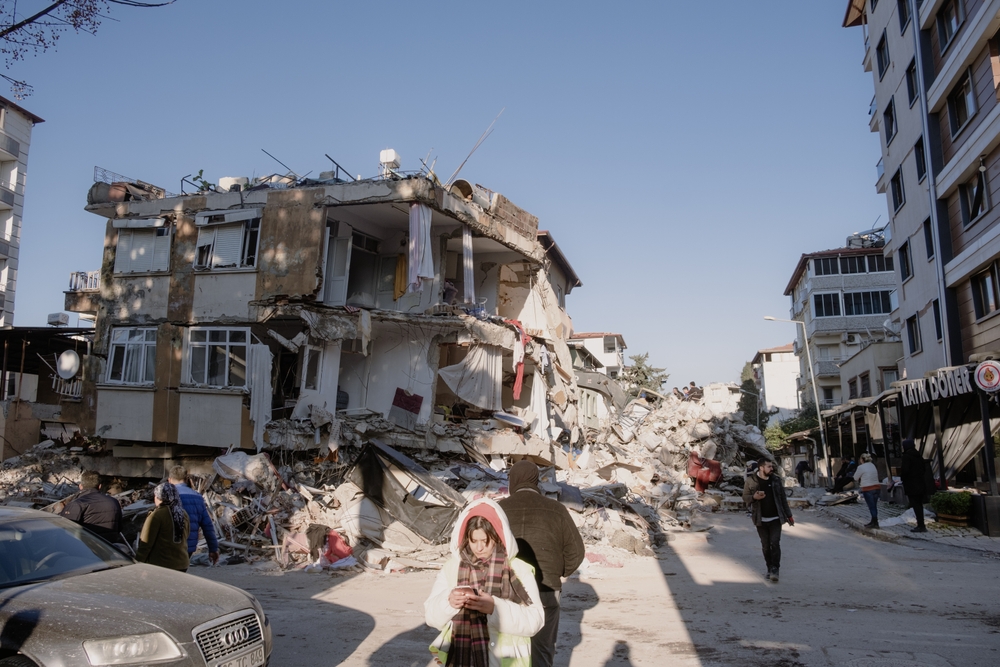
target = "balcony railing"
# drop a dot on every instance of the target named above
(879, 170)
(828, 403)
(7, 194)
(873, 107)
(84, 281)
(10, 146)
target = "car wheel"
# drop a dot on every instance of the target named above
(17, 661)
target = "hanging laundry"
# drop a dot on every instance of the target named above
(399, 284)
(421, 266)
(519, 342)
(477, 378)
(468, 276)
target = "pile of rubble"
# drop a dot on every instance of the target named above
(659, 467)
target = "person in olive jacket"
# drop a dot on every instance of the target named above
(764, 492)
(163, 540)
(913, 475)
(548, 539)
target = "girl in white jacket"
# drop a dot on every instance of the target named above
(485, 601)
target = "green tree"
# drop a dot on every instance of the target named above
(753, 412)
(804, 420)
(640, 375)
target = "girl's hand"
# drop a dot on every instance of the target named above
(458, 596)
(482, 602)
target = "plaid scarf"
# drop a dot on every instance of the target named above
(470, 636)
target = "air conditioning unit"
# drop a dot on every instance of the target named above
(851, 339)
(58, 319)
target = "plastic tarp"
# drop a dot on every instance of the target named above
(240, 465)
(406, 491)
(476, 379)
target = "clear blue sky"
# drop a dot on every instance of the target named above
(684, 155)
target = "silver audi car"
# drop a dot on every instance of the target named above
(70, 599)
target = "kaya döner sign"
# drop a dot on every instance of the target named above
(945, 383)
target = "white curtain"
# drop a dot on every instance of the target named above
(540, 406)
(476, 379)
(421, 265)
(468, 277)
(259, 383)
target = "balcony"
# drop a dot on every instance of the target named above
(6, 196)
(879, 170)
(826, 368)
(84, 281)
(828, 403)
(10, 149)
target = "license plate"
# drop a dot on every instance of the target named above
(254, 658)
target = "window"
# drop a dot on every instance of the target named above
(889, 375)
(867, 303)
(929, 238)
(882, 55)
(898, 196)
(857, 264)
(974, 197)
(132, 356)
(937, 320)
(879, 263)
(227, 239)
(826, 305)
(826, 266)
(905, 269)
(143, 250)
(912, 91)
(610, 344)
(921, 159)
(913, 334)
(828, 352)
(889, 121)
(852, 388)
(984, 292)
(865, 382)
(218, 357)
(949, 18)
(903, 8)
(961, 103)
(310, 365)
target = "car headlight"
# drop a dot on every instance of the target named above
(132, 650)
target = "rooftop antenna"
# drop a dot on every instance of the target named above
(290, 171)
(479, 143)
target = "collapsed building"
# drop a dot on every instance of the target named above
(279, 315)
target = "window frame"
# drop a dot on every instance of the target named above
(189, 355)
(857, 302)
(928, 238)
(897, 190)
(968, 193)
(912, 87)
(946, 40)
(905, 263)
(913, 335)
(155, 236)
(964, 91)
(249, 223)
(938, 324)
(985, 292)
(882, 58)
(826, 262)
(834, 302)
(307, 352)
(920, 159)
(903, 9)
(865, 385)
(889, 121)
(146, 347)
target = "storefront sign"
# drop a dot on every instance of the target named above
(988, 376)
(944, 384)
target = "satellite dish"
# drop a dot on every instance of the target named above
(68, 364)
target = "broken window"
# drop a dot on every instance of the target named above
(352, 267)
(132, 356)
(610, 344)
(974, 198)
(227, 239)
(218, 357)
(310, 365)
(143, 250)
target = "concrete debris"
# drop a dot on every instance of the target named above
(627, 485)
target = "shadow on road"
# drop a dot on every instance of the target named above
(407, 649)
(621, 657)
(577, 597)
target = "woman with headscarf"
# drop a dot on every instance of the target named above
(485, 600)
(163, 540)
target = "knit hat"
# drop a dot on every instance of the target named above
(522, 475)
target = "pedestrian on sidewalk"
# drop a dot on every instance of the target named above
(764, 493)
(912, 475)
(866, 477)
(197, 512)
(845, 475)
(163, 540)
(485, 600)
(95, 509)
(801, 468)
(547, 539)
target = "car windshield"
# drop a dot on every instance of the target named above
(39, 549)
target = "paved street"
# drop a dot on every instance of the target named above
(844, 599)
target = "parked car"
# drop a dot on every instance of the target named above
(68, 599)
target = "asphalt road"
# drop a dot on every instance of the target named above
(843, 599)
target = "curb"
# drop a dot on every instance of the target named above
(876, 533)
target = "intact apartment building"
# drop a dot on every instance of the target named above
(16, 124)
(844, 296)
(274, 316)
(608, 348)
(936, 67)
(776, 376)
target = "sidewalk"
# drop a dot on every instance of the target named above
(856, 516)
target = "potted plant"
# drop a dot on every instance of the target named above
(952, 507)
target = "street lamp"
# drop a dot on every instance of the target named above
(812, 379)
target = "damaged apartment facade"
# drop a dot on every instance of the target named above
(303, 315)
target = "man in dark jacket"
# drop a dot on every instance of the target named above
(801, 468)
(912, 473)
(548, 539)
(197, 512)
(95, 510)
(764, 492)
